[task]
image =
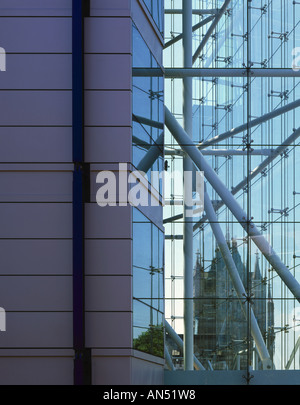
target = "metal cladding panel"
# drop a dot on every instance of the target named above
(36, 108)
(18, 186)
(36, 8)
(36, 220)
(51, 144)
(44, 35)
(108, 293)
(108, 35)
(111, 370)
(107, 222)
(35, 257)
(44, 370)
(115, 108)
(125, 366)
(98, 262)
(36, 293)
(108, 329)
(107, 72)
(110, 7)
(37, 330)
(37, 71)
(100, 144)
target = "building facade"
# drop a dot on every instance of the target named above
(99, 284)
(240, 57)
(81, 274)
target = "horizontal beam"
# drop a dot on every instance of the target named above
(224, 152)
(173, 202)
(179, 73)
(196, 12)
(147, 72)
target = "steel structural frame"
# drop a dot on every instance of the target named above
(242, 217)
(255, 172)
(187, 41)
(211, 29)
(193, 151)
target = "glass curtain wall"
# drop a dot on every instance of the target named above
(147, 109)
(251, 34)
(156, 9)
(147, 238)
(148, 286)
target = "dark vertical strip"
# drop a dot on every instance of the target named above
(82, 363)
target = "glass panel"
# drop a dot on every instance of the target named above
(148, 110)
(156, 9)
(253, 35)
(148, 285)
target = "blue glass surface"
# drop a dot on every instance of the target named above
(147, 103)
(148, 285)
(156, 10)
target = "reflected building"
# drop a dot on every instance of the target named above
(220, 324)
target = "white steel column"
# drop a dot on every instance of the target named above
(188, 349)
